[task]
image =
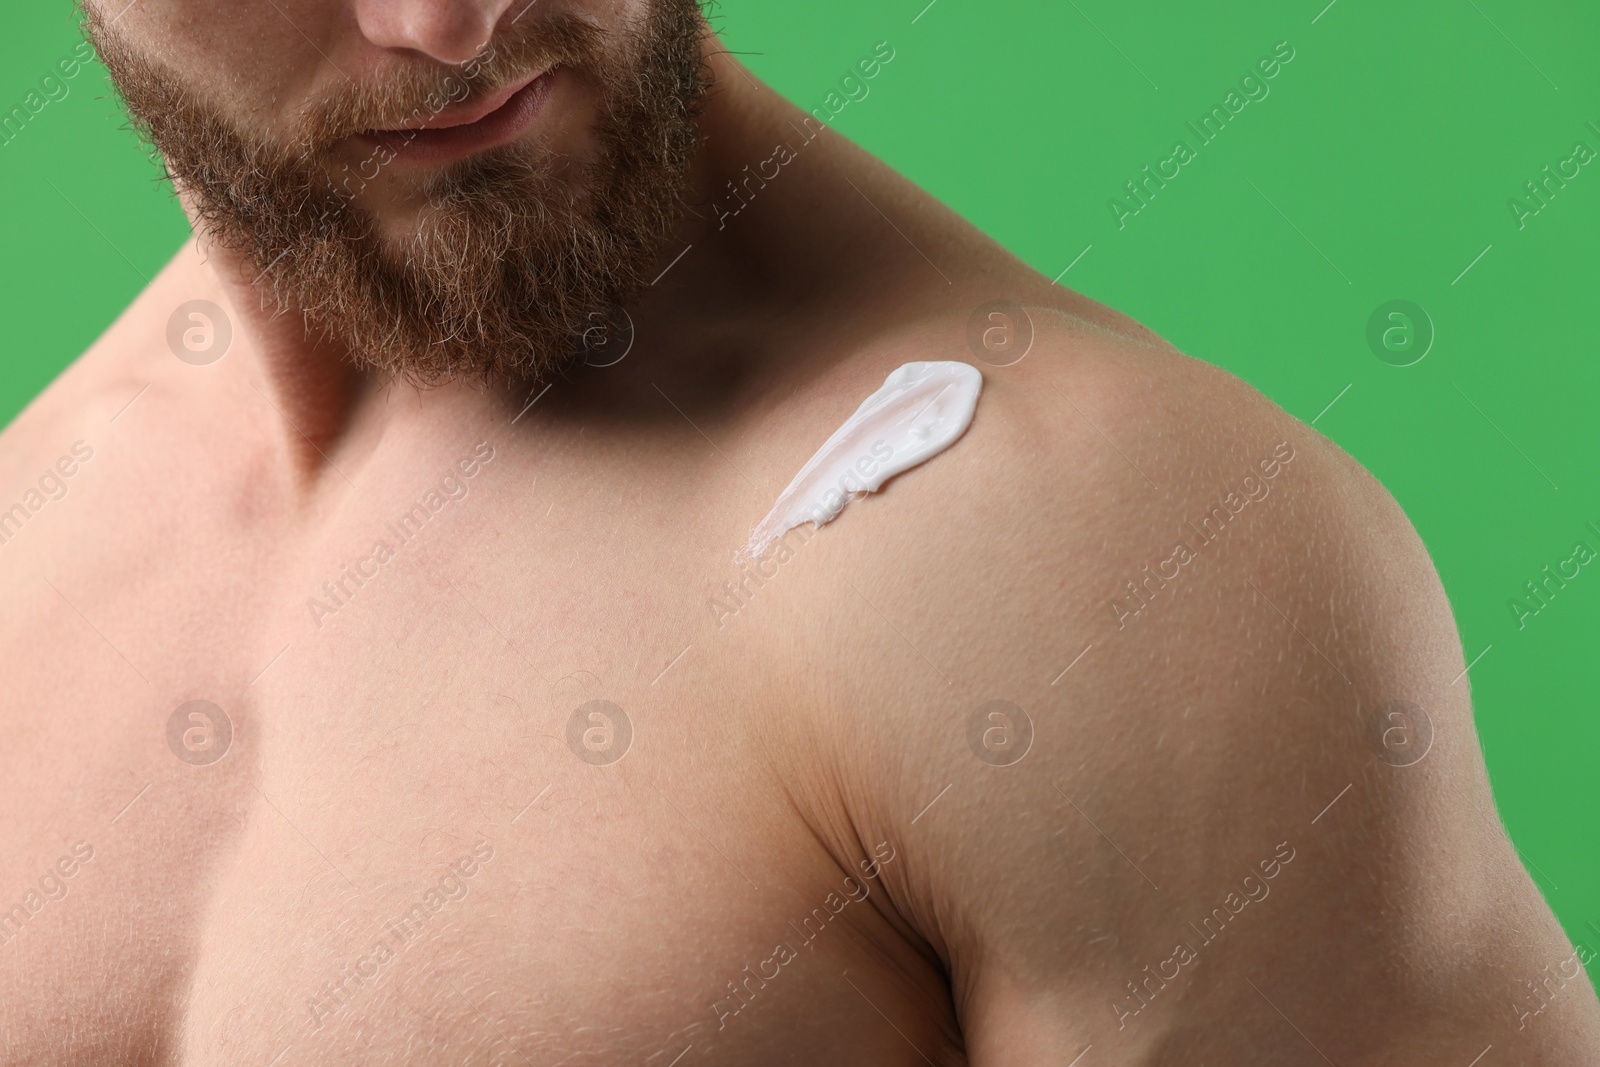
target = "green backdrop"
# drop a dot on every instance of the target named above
(1382, 164)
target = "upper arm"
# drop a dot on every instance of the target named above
(1219, 717)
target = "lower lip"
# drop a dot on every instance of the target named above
(447, 143)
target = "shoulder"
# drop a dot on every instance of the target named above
(1113, 652)
(108, 431)
(1109, 486)
(130, 355)
(1124, 526)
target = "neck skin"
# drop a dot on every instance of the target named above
(320, 396)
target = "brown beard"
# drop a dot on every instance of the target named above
(512, 262)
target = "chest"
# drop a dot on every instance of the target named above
(396, 798)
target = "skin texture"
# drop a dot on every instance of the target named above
(404, 750)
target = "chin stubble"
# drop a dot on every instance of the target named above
(510, 261)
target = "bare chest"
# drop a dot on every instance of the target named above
(393, 799)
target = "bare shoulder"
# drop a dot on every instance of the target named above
(123, 431)
(1136, 654)
(56, 445)
(87, 399)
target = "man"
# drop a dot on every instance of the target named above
(382, 687)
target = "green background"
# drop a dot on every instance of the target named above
(1379, 167)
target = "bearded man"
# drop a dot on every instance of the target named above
(392, 675)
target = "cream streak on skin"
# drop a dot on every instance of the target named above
(920, 410)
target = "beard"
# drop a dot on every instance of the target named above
(516, 257)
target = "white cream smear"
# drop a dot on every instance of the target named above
(920, 410)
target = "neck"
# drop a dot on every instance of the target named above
(318, 394)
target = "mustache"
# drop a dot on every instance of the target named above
(410, 95)
(508, 265)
